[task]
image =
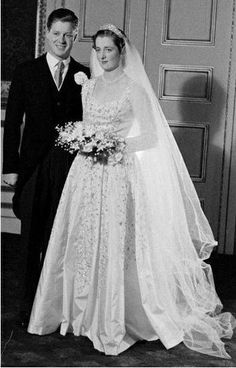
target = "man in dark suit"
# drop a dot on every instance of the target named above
(43, 93)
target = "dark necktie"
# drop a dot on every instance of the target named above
(59, 73)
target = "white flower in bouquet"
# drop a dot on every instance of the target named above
(100, 135)
(88, 147)
(89, 130)
(117, 157)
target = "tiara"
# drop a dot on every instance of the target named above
(112, 28)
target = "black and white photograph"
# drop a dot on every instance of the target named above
(118, 186)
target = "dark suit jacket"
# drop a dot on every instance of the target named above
(33, 93)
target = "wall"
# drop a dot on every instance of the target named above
(18, 34)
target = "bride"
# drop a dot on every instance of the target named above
(126, 256)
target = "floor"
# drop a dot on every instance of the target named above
(20, 349)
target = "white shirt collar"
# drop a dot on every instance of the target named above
(53, 61)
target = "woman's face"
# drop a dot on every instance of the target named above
(107, 53)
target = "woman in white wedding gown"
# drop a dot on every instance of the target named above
(125, 260)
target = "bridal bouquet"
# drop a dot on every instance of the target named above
(102, 146)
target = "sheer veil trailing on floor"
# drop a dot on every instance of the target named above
(176, 285)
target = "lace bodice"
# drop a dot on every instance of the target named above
(115, 115)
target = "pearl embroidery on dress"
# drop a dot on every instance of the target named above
(99, 197)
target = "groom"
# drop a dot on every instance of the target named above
(43, 93)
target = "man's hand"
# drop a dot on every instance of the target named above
(10, 179)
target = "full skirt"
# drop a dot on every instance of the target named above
(112, 276)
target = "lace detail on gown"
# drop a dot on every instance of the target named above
(98, 190)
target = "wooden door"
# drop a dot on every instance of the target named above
(189, 59)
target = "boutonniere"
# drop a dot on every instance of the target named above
(80, 78)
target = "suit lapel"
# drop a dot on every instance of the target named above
(44, 83)
(43, 68)
(45, 76)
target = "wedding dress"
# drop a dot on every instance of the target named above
(121, 266)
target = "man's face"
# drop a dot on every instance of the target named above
(61, 38)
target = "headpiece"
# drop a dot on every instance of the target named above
(111, 28)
